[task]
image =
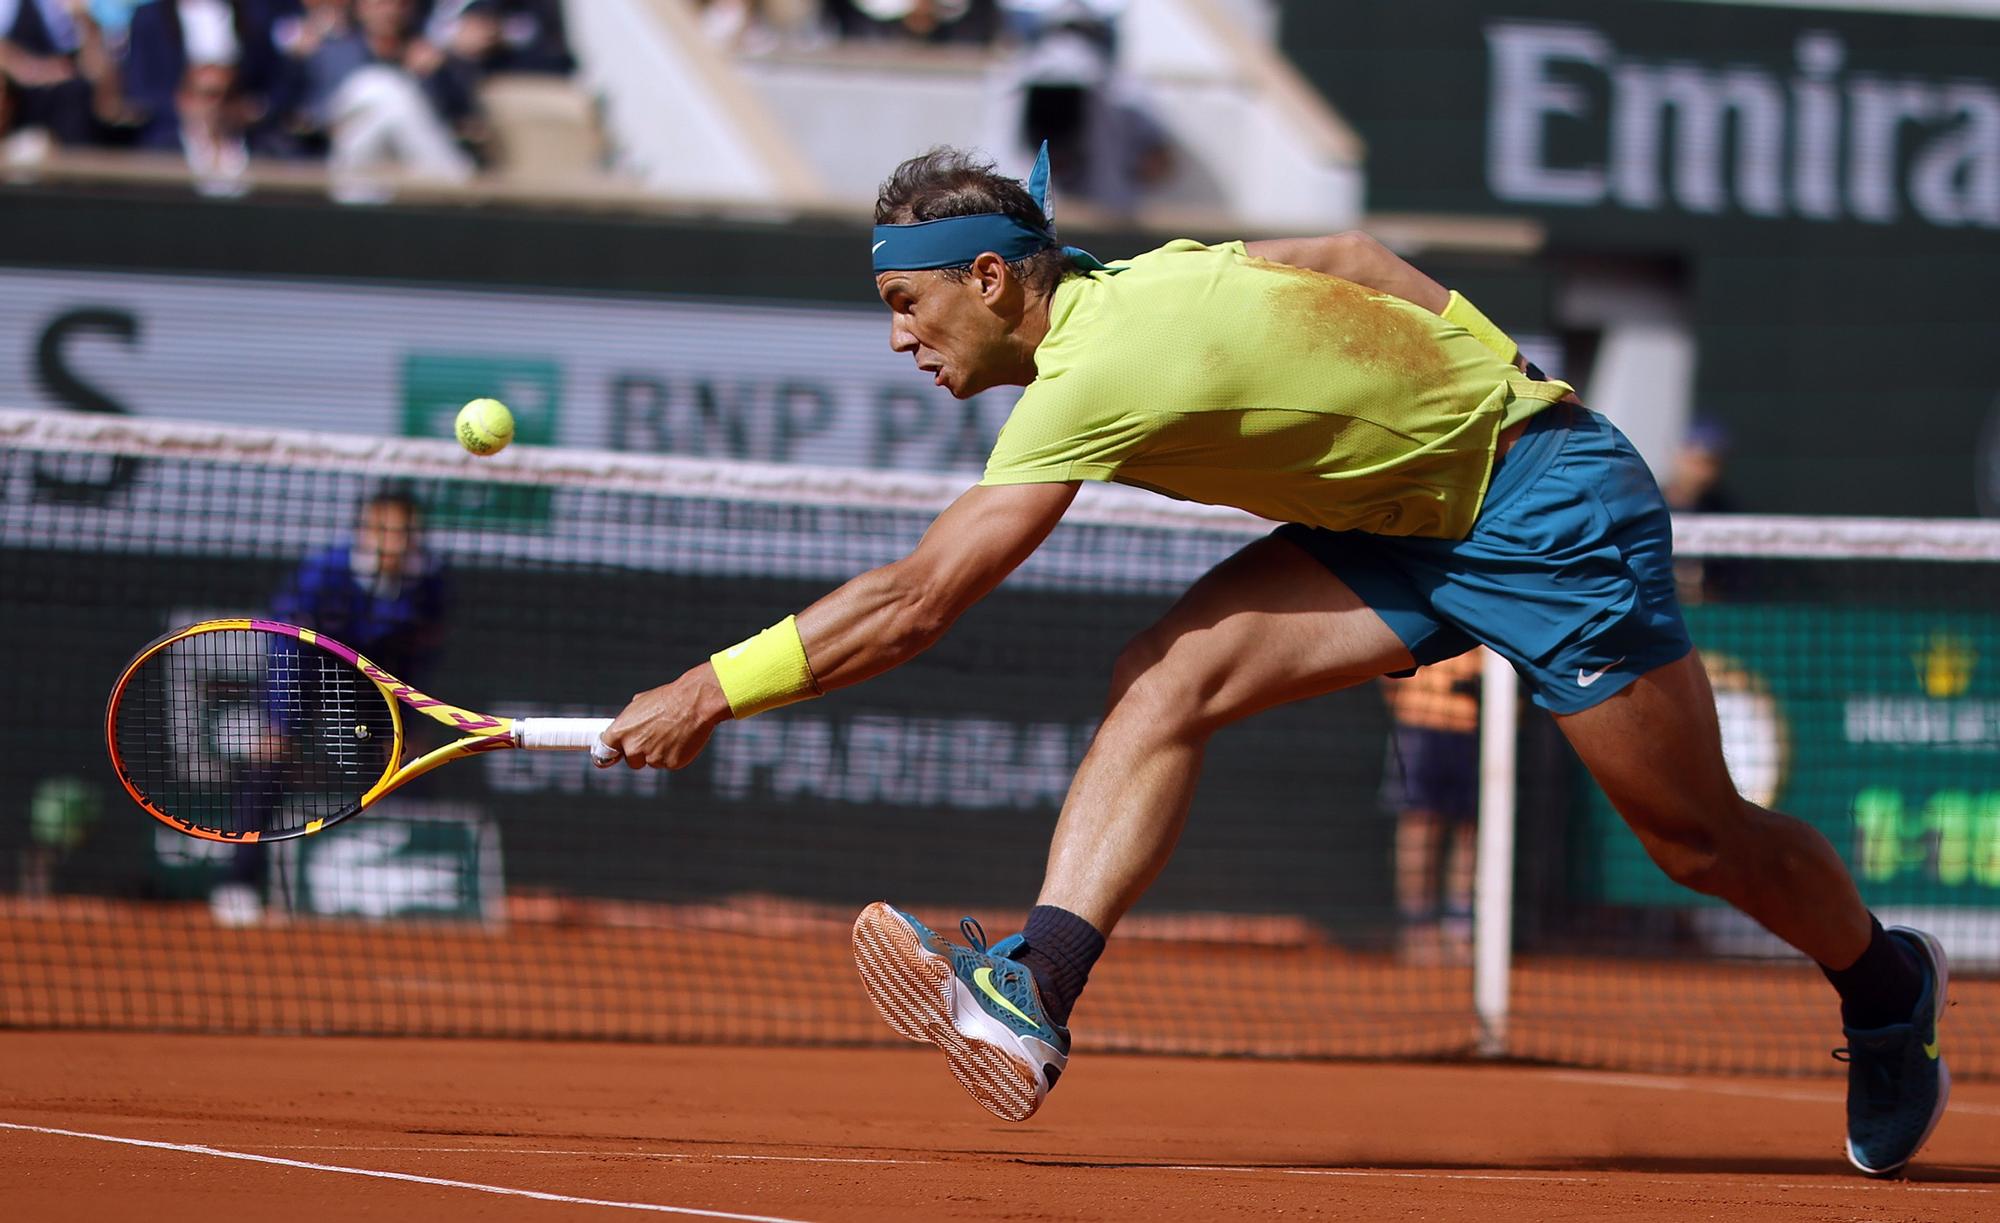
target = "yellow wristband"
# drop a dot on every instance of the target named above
(1466, 315)
(767, 671)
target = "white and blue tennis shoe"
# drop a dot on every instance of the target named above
(977, 1005)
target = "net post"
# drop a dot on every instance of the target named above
(1493, 895)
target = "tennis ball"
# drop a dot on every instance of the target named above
(485, 426)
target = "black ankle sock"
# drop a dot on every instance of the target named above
(1059, 948)
(1880, 988)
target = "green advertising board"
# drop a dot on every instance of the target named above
(410, 860)
(437, 385)
(406, 859)
(1880, 728)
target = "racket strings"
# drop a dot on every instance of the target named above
(243, 730)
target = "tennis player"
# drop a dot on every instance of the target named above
(1435, 492)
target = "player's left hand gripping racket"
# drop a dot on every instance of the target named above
(252, 730)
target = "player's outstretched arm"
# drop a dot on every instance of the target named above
(874, 622)
(888, 616)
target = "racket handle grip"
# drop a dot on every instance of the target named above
(565, 735)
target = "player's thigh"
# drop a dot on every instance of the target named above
(1270, 624)
(1656, 749)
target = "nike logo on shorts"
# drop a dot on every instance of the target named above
(1585, 679)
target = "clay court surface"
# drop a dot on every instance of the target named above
(301, 1130)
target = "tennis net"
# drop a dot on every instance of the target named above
(528, 895)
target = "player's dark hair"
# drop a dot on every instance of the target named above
(395, 493)
(949, 182)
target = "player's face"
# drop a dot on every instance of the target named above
(949, 327)
(389, 531)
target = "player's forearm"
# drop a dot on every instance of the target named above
(872, 624)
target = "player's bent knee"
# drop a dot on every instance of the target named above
(1171, 689)
(1694, 862)
(1140, 656)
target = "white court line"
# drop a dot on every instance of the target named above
(681, 1155)
(1579, 1179)
(219, 1153)
(1744, 1090)
(1612, 1177)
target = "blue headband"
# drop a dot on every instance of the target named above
(954, 242)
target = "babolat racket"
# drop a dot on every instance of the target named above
(252, 730)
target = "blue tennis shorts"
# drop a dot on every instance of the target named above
(1568, 572)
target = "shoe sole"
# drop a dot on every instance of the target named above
(920, 998)
(1936, 952)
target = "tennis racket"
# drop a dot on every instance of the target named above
(252, 730)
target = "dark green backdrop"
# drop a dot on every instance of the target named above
(1851, 359)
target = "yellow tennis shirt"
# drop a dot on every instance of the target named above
(1205, 374)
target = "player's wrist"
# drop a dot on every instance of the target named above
(764, 672)
(709, 702)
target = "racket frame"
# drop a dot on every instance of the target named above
(482, 733)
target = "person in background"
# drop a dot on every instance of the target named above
(18, 145)
(1103, 147)
(211, 125)
(169, 37)
(386, 96)
(503, 35)
(309, 25)
(1695, 485)
(1431, 783)
(298, 31)
(379, 593)
(62, 77)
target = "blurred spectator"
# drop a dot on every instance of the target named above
(61, 812)
(386, 96)
(1695, 485)
(503, 35)
(1432, 784)
(934, 21)
(170, 37)
(381, 594)
(211, 122)
(1102, 145)
(62, 75)
(19, 145)
(114, 17)
(307, 25)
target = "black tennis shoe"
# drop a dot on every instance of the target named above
(1897, 1083)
